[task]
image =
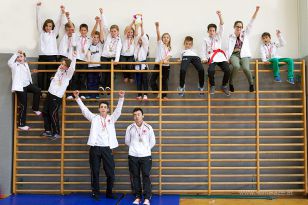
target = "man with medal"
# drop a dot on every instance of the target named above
(102, 140)
(141, 139)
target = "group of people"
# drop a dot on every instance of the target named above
(106, 45)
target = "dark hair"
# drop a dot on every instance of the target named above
(83, 26)
(114, 27)
(212, 26)
(266, 34)
(103, 102)
(138, 109)
(47, 22)
(189, 38)
(67, 62)
(236, 22)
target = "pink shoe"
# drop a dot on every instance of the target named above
(38, 113)
(145, 97)
(139, 98)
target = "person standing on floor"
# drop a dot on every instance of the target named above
(141, 139)
(102, 140)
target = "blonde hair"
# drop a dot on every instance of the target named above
(169, 43)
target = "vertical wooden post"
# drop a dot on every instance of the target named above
(15, 144)
(303, 81)
(209, 138)
(257, 126)
(160, 126)
(62, 142)
(112, 86)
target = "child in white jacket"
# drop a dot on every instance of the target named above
(269, 54)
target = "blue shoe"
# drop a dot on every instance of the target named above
(277, 79)
(291, 81)
(97, 97)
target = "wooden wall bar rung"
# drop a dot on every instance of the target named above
(250, 139)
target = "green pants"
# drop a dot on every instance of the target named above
(238, 62)
(275, 66)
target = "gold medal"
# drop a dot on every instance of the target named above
(140, 140)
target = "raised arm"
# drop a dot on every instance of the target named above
(69, 21)
(72, 67)
(59, 20)
(39, 22)
(97, 22)
(281, 40)
(129, 27)
(13, 59)
(249, 25)
(85, 111)
(157, 31)
(104, 23)
(117, 112)
(221, 23)
(256, 12)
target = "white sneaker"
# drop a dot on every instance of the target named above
(101, 88)
(69, 97)
(24, 128)
(146, 202)
(38, 113)
(137, 201)
(145, 97)
(181, 91)
(83, 97)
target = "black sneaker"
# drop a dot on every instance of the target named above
(231, 88)
(46, 134)
(251, 88)
(111, 196)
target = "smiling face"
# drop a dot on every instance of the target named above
(63, 65)
(95, 39)
(114, 32)
(138, 117)
(238, 27)
(130, 33)
(20, 58)
(48, 27)
(83, 31)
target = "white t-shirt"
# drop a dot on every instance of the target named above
(95, 52)
(162, 52)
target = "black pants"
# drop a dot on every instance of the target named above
(43, 79)
(22, 98)
(106, 77)
(93, 81)
(127, 67)
(143, 165)
(165, 79)
(96, 155)
(50, 114)
(142, 81)
(224, 67)
(78, 81)
(196, 61)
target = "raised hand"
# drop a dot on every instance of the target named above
(278, 32)
(76, 94)
(101, 11)
(121, 93)
(218, 13)
(157, 24)
(39, 3)
(62, 9)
